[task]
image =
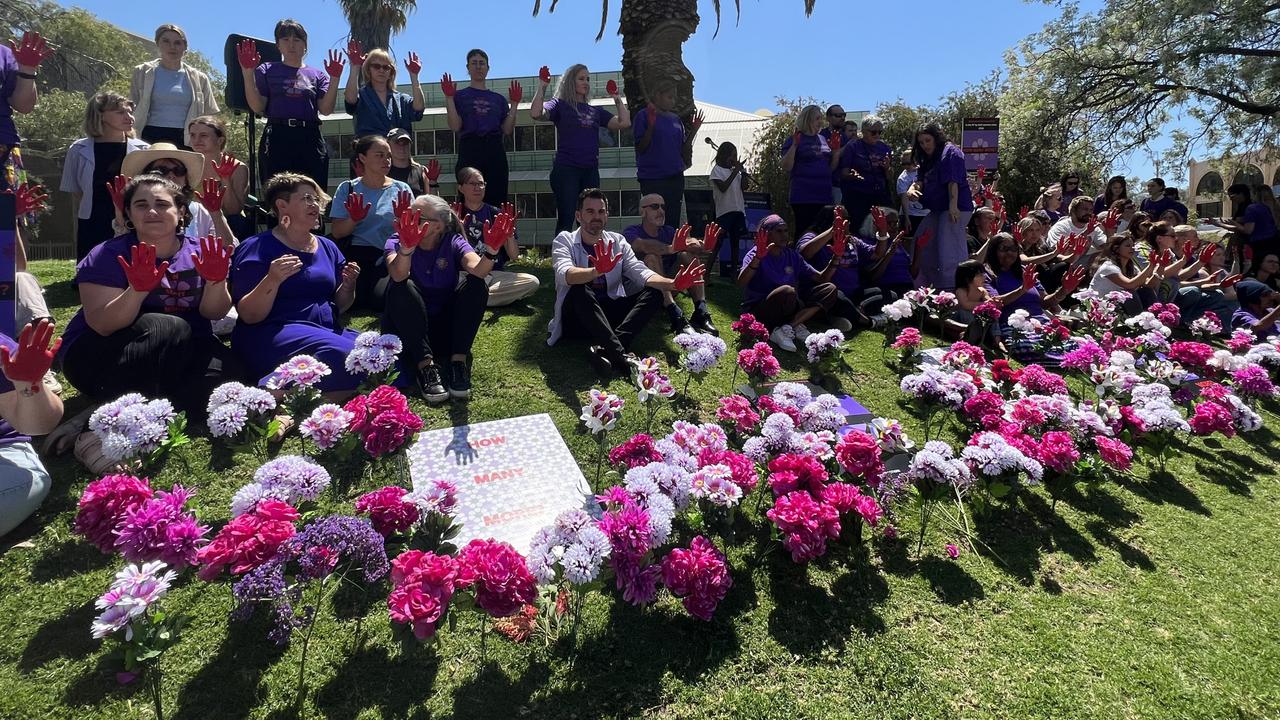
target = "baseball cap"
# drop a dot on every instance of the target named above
(398, 134)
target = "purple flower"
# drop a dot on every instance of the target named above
(326, 425)
(159, 529)
(134, 590)
(131, 425)
(373, 353)
(301, 371)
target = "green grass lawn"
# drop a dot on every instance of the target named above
(1152, 597)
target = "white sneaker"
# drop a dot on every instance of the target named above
(842, 324)
(801, 332)
(784, 337)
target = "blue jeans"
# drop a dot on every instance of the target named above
(567, 182)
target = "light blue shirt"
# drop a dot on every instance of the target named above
(170, 99)
(378, 225)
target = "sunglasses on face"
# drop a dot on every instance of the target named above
(379, 66)
(175, 170)
(836, 115)
(654, 206)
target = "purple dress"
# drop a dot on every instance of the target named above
(950, 245)
(304, 317)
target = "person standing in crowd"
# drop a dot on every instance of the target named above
(837, 125)
(664, 250)
(1117, 189)
(290, 287)
(943, 188)
(913, 213)
(663, 152)
(864, 172)
(363, 212)
(1171, 194)
(168, 94)
(604, 293)
(179, 166)
(370, 97)
(436, 293)
(208, 136)
(577, 163)
(1252, 222)
(482, 118)
(781, 288)
(728, 180)
(1070, 184)
(92, 164)
(505, 287)
(18, 69)
(806, 158)
(26, 409)
(1156, 202)
(403, 167)
(292, 97)
(149, 298)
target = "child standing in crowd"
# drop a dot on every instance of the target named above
(728, 180)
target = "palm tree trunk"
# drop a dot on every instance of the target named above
(653, 35)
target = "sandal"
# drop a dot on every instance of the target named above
(64, 436)
(89, 452)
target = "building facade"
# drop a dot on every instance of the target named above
(1209, 180)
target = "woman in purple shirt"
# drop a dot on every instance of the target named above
(806, 157)
(149, 298)
(292, 97)
(781, 288)
(1016, 289)
(855, 300)
(577, 163)
(942, 186)
(17, 94)
(662, 152)
(482, 118)
(864, 172)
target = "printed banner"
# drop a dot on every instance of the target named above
(514, 476)
(980, 141)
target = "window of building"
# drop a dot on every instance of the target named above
(1210, 182)
(607, 138)
(547, 206)
(508, 142)
(614, 198)
(526, 205)
(426, 142)
(1249, 175)
(339, 146)
(630, 204)
(544, 136)
(1205, 210)
(626, 138)
(445, 142)
(524, 137)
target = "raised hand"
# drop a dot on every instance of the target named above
(1067, 243)
(611, 88)
(515, 93)
(350, 273)
(1231, 280)
(31, 51)
(143, 274)
(651, 114)
(544, 75)
(841, 212)
(697, 120)
(710, 237)
(1153, 258)
(334, 64)
(213, 263)
(211, 194)
(402, 200)
(603, 259)
(1081, 246)
(1073, 278)
(840, 237)
(1207, 252)
(357, 208)
(1029, 277)
(355, 53)
(1188, 249)
(433, 170)
(1111, 221)
(1093, 225)
(409, 226)
(413, 64)
(224, 167)
(688, 276)
(982, 174)
(1017, 233)
(457, 208)
(447, 85)
(510, 209)
(1023, 211)
(497, 231)
(34, 355)
(29, 199)
(835, 141)
(879, 220)
(247, 54)
(115, 189)
(681, 241)
(923, 240)
(762, 243)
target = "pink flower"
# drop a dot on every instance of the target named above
(1211, 417)
(953, 552)
(737, 412)
(1253, 380)
(806, 472)
(1167, 313)
(423, 584)
(841, 496)
(249, 540)
(1240, 341)
(1191, 354)
(698, 575)
(1039, 381)
(859, 454)
(1114, 452)
(749, 329)
(104, 503)
(908, 339)
(988, 311)
(160, 529)
(742, 469)
(963, 355)
(805, 523)
(388, 511)
(984, 404)
(1001, 371)
(1057, 451)
(635, 452)
(869, 509)
(383, 420)
(502, 581)
(758, 361)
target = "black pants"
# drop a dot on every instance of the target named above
(672, 191)
(733, 227)
(804, 213)
(613, 322)
(154, 134)
(450, 331)
(859, 305)
(373, 267)
(567, 182)
(92, 233)
(858, 206)
(487, 155)
(785, 301)
(157, 356)
(293, 149)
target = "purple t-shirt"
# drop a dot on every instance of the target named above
(8, 435)
(179, 292)
(1264, 225)
(1242, 318)
(482, 111)
(305, 296)
(435, 272)
(898, 269)
(577, 133)
(950, 169)
(786, 268)
(473, 229)
(8, 82)
(1009, 280)
(666, 236)
(870, 161)
(291, 92)
(848, 275)
(811, 172)
(665, 156)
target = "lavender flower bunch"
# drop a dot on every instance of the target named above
(993, 459)
(233, 407)
(292, 479)
(572, 549)
(825, 350)
(132, 426)
(129, 605)
(670, 479)
(328, 426)
(816, 414)
(701, 352)
(934, 385)
(374, 355)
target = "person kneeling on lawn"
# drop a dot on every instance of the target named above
(603, 292)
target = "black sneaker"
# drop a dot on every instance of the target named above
(459, 380)
(432, 387)
(678, 324)
(701, 322)
(599, 361)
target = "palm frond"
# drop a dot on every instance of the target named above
(737, 14)
(604, 17)
(808, 7)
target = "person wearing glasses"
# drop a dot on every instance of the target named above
(652, 239)
(168, 93)
(290, 286)
(363, 214)
(482, 119)
(864, 171)
(377, 108)
(1070, 184)
(180, 167)
(505, 287)
(92, 163)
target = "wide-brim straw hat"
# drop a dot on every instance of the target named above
(135, 161)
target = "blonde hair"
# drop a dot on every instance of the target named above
(565, 91)
(366, 73)
(99, 104)
(170, 27)
(281, 186)
(806, 118)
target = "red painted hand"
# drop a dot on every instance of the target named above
(225, 166)
(247, 54)
(835, 141)
(1111, 221)
(710, 237)
(403, 199)
(923, 239)
(688, 276)
(115, 189)
(1232, 280)
(31, 51)
(603, 259)
(29, 199)
(1029, 277)
(1207, 252)
(515, 93)
(357, 208)
(213, 263)
(651, 114)
(33, 356)
(544, 75)
(143, 274)
(433, 170)
(697, 120)
(409, 226)
(1023, 212)
(762, 243)
(334, 64)
(413, 64)
(681, 241)
(496, 232)
(1073, 278)
(355, 54)
(840, 237)
(447, 85)
(611, 88)
(510, 209)
(879, 220)
(211, 194)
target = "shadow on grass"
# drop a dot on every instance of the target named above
(1162, 488)
(1129, 554)
(65, 636)
(949, 581)
(1019, 534)
(374, 678)
(69, 557)
(95, 685)
(231, 679)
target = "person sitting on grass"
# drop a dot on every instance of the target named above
(1259, 309)
(855, 301)
(26, 408)
(1116, 270)
(781, 288)
(1016, 286)
(971, 291)
(604, 293)
(505, 287)
(664, 250)
(436, 292)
